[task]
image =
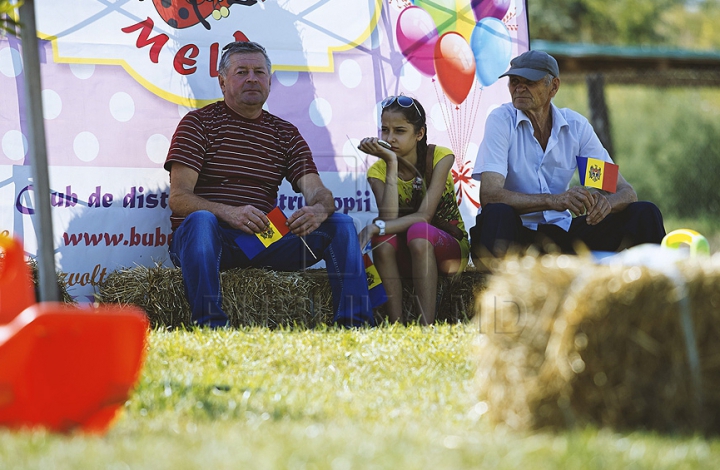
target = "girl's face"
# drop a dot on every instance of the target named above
(400, 134)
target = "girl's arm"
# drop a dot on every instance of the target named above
(386, 193)
(428, 206)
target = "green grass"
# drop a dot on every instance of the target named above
(392, 397)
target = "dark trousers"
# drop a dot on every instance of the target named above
(499, 228)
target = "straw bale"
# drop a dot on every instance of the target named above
(250, 296)
(567, 342)
(702, 280)
(61, 283)
(157, 290)
(32, 265)
(262, 297)
(455, 299)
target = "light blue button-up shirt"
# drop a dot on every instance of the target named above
(510, 149)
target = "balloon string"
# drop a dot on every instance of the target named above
(446, 113)
(466, 120)
(460, 119)
(475, 108)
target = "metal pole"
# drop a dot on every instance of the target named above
(37, 151)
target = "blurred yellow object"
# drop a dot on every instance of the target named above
(687, 238)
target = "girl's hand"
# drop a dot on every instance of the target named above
(371, 146)
(366, 234)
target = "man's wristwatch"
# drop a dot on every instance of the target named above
(381, 225)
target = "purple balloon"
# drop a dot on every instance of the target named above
(416, 36)
(490, 8)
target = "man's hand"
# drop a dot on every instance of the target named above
(577, 200)
(601, 208)
(183, 201)
(249, 219)
(307, 219)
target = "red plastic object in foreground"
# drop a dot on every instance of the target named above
(68, 368)
(62, 367)
(16, 286)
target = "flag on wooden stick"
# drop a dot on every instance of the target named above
(598, 174)
(253, 244)
(375, 287)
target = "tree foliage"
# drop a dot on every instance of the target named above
(673, 23)
(695, 25)
(692, 169)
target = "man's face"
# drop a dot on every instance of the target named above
(530, 95)
(246, 81)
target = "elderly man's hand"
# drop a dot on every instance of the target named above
(601, 208)
(307, 219)
(577, 200)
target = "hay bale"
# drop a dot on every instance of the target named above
(157, 290)
(64, 296)
(250, 296)
(260, 297)
(272, 298)
(565, 341)
(455, 298)
(702, 280)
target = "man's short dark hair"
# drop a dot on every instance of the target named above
(242, 47)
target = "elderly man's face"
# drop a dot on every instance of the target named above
(528, 95)
(246, 81)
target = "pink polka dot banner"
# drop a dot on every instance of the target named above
(118, 76)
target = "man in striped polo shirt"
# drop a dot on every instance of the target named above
(226, 163)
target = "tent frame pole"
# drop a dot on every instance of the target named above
(37, 153)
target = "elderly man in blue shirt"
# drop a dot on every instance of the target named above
(525, 163)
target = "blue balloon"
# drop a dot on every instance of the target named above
(492, 46)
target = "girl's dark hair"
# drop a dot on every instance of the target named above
(415, 115)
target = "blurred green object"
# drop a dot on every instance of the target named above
(685, 238)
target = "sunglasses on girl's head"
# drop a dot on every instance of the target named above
(402, 100)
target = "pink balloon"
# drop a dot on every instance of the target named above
(490, 8)
(455, 66)
(416, 36)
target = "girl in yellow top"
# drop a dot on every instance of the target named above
(419, 231)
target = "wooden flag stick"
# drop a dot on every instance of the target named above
(308, 247)
(380, 244)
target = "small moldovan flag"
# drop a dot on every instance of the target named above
(598, 174)
(375, 287)
(253, 244)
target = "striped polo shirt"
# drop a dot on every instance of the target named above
(240, 161)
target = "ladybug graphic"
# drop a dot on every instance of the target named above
(182, 14)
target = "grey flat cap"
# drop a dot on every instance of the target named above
(533, 65)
